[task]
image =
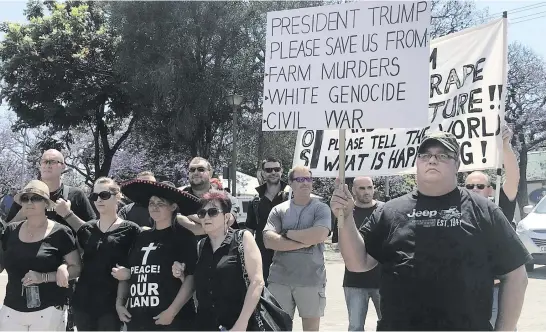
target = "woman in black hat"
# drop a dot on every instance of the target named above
(40, 256)
(152, 299)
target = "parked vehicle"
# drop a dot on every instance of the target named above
(532, 232)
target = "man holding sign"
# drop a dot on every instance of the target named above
(440, 248)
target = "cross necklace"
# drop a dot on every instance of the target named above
(104, 233)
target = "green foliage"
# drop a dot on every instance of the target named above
(57, 71)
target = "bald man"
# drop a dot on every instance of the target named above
(72, 206)
(480, 183)
(359, 287)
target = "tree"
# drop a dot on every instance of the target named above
(526, 107)
(58, 72)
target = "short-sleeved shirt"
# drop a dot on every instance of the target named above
(368, 279)
(439, 256)
(79, 204)
(302, 267)
(101, 252)
(152, 285)
(219, 285)
(43, 256)
(137, 214)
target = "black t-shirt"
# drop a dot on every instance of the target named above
(96, 289)
(368, 279)
(137, 214)
(507, 206)
(41, 256)
(80, 205)
(152, 285)
(439, 256)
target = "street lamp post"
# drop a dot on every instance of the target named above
(234, 101)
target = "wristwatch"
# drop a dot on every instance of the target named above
(285, 234)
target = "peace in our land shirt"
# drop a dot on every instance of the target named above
(152, 285)
(96, 289)
(439, 257)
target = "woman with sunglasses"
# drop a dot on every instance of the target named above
(222, 295)
(40, 257)
(105, 243)
(151, 299)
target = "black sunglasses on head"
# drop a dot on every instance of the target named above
(104, 195)
(212, 212)
(472, 186)
(31, 198)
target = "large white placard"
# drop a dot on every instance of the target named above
(359, 65)
(466, 99)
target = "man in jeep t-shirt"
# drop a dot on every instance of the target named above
(440, 249)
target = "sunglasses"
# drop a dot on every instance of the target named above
(104, 195)
(31, 198)
(472, 186)
(272, 169)
(212, 212)
(302, 179)
(199, 169)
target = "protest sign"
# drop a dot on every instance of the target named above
(354, 65)
(466, 98)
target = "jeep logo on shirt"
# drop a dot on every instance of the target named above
(423, 213)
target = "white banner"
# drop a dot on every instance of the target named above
(466, 99)
(360, 65)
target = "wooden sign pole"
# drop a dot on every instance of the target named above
(341, 217)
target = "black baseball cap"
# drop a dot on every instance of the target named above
(444, 138)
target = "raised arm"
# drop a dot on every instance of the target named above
(351, 243)
(511, 168)
(191, 223)
(253, 265)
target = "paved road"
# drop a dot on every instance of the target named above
(533, 317)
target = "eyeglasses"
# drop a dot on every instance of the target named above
(104, 195)
(302, 179)
(50, 162)
(272, 169)
(31, 198)
(212, 212)
(479, 186)
(443, 157)
(199, 169)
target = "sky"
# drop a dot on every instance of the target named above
(527, 20)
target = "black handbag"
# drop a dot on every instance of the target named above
(268, 315)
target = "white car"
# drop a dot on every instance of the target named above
(532, 232)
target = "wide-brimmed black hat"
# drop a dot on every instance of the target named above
(140, 192)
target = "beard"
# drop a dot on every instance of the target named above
(273, 181)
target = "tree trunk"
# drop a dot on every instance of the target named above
(523, 197)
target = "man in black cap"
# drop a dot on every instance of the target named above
(440, 248)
